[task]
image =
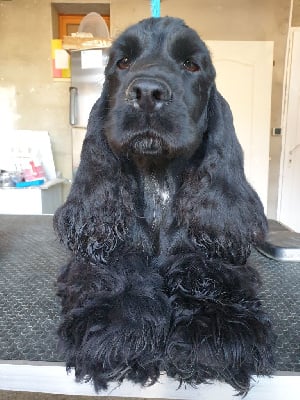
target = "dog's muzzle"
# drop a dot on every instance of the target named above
(148, 94)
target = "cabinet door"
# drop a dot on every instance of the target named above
(244, 77)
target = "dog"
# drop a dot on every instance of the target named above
(160, 221)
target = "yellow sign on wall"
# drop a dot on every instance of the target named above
(60, 60)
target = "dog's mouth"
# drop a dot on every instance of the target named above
(147, 143)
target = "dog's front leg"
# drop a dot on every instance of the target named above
(219, 330)
(115, 319)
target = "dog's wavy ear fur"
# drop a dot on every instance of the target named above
(220, 209)
(223, 213)
(93, 219)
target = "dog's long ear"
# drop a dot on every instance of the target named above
(93, 218)
(223, 213)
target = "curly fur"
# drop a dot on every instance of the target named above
(116, 319)
(160, 221)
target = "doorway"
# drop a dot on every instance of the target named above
(289, 186)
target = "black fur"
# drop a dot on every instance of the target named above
(160, 221)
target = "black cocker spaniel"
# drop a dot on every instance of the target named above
(160, 222)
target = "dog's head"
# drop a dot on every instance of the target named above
(159, 77)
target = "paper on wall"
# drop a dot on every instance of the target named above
(61, 59)
(91, 59)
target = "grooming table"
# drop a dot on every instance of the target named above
(281, 243)
(30, 258)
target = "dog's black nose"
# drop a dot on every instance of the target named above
(148, 94)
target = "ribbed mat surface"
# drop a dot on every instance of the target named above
(30, 258)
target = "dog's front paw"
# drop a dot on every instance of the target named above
(229, 343)
(219, 330)
(118, 327)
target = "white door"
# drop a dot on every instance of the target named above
(244, 77)
(289, 191)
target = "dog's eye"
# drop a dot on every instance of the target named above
(189, 65)
(124, 63)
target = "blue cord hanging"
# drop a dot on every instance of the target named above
(155, 8)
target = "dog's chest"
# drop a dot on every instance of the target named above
(157, 199)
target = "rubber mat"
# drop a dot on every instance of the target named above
(29, 310)
(30, 258)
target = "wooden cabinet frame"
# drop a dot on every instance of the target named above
(64, 20)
